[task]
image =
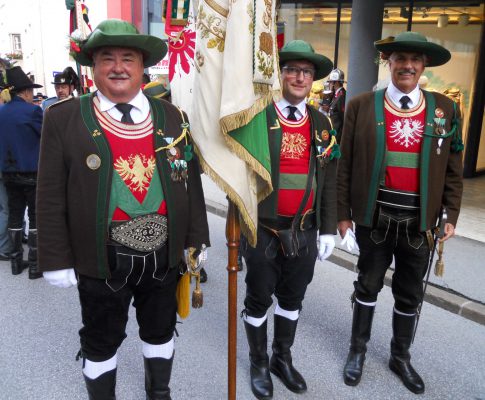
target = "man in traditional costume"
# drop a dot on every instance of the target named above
(21, 123)
(400, 166)
(336, 109)
(300, 211)
(119, 199)
(64, 83)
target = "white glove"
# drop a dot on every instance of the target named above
(202, 258)
(326, 243)
(349, 240)
(62, 278)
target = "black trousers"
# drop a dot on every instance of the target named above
(21, 189)
(143, 277)
(395, 235)
(286, 278)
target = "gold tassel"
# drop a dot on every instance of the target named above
(183, 296)
(197, 295)
(439, 268)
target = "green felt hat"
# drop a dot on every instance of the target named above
(301, 50)
(118, 33)
(413, 42)
(157, 90)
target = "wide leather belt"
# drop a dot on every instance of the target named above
(143, 233)
(304, 222)
(398, 199)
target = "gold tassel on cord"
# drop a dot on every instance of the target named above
(197, 295)
(439, 268)
(183, 295)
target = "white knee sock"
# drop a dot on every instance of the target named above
(257, 322)
(371, 304)
(94, 369)
(158, 350)
(291, 315)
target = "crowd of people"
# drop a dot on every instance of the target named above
(114, 199)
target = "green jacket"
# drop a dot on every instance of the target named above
(73, 199)
(326, 196)
(363, 161)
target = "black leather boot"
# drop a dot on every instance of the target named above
(261, 383)
(157, 377)
(400, 361)
(103, 387)
(361, 328)
(34, 272)
(16, 256)
(281, 363)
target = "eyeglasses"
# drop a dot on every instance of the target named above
(295, 71)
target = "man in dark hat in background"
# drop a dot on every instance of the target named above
(300, 211)
(336, 108)
(401, 164)
(39, 97)
(21, 124)
(119, 199)
(64, 83)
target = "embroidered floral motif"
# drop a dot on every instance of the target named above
(136, 171)
(210, 25)
(293, 145)
(406, 131)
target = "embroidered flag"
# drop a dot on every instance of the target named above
(237, 77)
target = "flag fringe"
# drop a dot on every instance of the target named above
(237, 120)
(248, 228)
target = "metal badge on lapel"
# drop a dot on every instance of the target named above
(177, 164)
(439, 127)
(93, 161)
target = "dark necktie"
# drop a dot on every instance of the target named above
(291, 115)
(404, 100)
(125, 110)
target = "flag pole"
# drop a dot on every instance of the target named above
(233, 232)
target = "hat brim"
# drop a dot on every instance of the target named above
(153, 48)
(322, 64)
(30, 86)
(436, 54)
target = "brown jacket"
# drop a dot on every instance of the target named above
(440, 174)
(73, 199)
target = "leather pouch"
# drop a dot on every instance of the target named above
(292, 242)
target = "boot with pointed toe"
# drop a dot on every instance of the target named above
(281, 363)
(261, 383)
(400, 361)
(361, 329)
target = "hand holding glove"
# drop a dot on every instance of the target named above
(62, 278)
(326, 244)
(349, 240)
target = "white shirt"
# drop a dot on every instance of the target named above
(300, 112)
(139, 112)
(395, 95)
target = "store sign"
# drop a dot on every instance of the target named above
(161, 68)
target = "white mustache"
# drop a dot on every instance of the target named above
(118, 76)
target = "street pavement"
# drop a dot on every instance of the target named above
(39, 341)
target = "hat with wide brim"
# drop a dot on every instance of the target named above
(301, 50)
(413, 42)
(18, 80)
(118, 33)
(157, 90)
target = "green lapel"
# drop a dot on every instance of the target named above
(425, 157)
(379, 157)
(105, 171)
(163, 166)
